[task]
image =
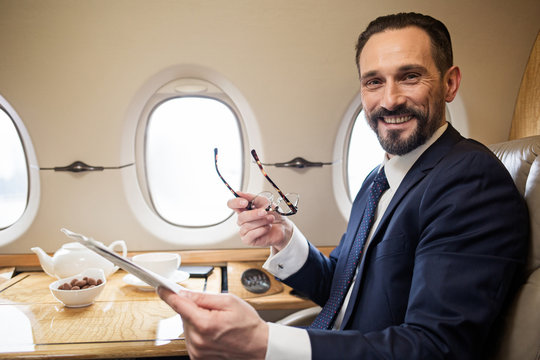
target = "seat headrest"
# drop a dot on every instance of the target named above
(521, 159)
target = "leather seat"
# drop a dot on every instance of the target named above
(519, 337)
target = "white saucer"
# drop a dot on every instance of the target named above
(178, 277)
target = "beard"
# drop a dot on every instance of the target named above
(426, 126)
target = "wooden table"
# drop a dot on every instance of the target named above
(123, 322)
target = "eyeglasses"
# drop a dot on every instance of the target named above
(286, 205)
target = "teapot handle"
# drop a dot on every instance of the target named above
(122, 245)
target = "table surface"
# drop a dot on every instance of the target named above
(123, 322)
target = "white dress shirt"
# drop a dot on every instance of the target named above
(285, 342)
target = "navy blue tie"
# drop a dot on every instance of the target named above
(342, 281)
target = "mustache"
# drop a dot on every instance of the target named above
(402, 110)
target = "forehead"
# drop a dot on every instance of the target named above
(396, 48)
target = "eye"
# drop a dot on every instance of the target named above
(411, 78)
(372, 83)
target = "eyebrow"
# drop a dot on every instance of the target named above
(401, 69)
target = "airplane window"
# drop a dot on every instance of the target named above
(174, 123)
(181, 135)
(363, 154)
(13, 173)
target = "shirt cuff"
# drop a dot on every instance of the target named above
(291, 258)
(287, 343)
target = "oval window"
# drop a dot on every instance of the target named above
(364, 153)
(181, 135)
(13, 173)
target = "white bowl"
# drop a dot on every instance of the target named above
(82, 297)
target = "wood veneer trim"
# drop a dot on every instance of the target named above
(526, 119)
(213, 257)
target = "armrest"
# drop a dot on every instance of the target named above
(301, 318)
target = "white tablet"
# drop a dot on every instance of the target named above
(145, 275)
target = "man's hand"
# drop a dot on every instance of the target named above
(259, 227)
(218, 326)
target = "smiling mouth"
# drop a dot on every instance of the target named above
(396, 119)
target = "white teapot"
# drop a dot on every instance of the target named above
(73, 258)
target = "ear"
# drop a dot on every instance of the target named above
(452, 79)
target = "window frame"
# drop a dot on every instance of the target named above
(165, 235)
(23, 223)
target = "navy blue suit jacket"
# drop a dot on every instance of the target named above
(439, 266)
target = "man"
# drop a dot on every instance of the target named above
(448, 238)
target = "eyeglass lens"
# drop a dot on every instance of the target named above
(265, 200)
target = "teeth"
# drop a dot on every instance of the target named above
(397, 120)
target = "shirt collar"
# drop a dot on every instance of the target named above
(397, 167)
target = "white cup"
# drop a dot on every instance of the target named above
(164, 264)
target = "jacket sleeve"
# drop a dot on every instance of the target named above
(314, 279)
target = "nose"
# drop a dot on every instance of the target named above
(392, 96)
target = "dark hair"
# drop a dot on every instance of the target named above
(441, 45)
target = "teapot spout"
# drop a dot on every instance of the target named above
(45, 261)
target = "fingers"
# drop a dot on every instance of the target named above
(184, 303)
(259, 227)
(181, 303)
(260, 236)
(240, 204)
(254, 223)
(258, 214)
(219, 325)
(255, 218)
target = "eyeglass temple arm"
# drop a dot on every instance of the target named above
(287, 201)
(221, 177)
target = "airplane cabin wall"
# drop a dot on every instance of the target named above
(71, 70)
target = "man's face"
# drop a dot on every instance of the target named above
(403, 94)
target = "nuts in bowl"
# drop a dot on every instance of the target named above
(79, 290)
